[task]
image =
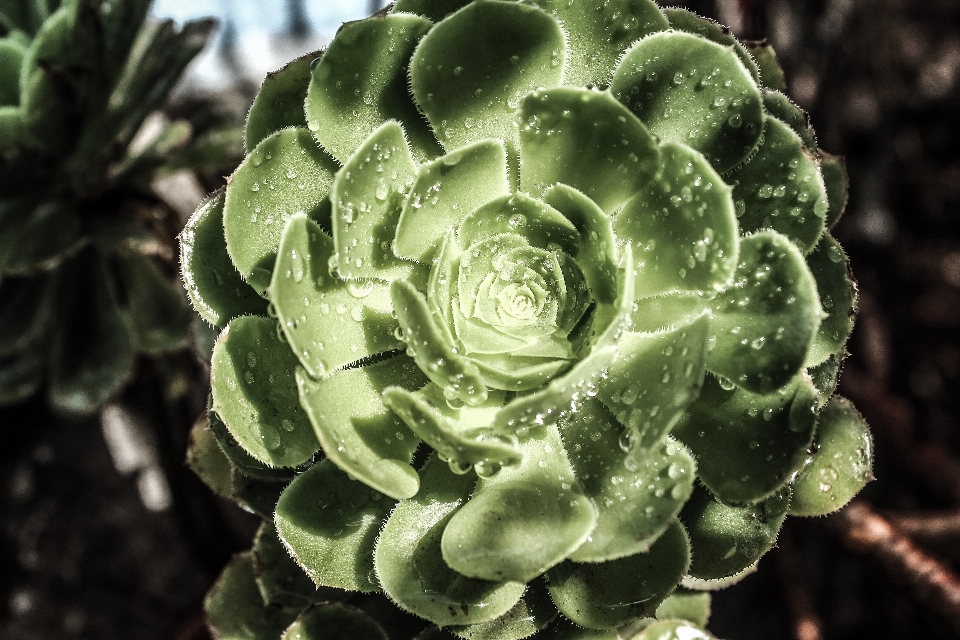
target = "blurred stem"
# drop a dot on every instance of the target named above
(930, 581)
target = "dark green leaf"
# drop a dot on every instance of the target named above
(235, 610)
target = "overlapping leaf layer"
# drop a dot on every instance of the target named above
(554, 308)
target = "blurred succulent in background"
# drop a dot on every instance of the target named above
(86, 246)
(554, 325)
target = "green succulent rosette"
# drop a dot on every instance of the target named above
(87, 246)
(555, 315)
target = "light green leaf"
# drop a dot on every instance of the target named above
(334, 621)
(234, 608)
(536, 222)
(286, 174)
(281, 581)
(361, 82)
(460, 436)
(607, 595)
(445, 191)
(637, 495)
(279, 103)
(781, 188)
(666, 312)
(214, 286)
(765, 321)
(783, 108)
(433, 10)
(470, 71)
(727, 539)
(456, 375)
(330, 524)
(409, 562)
(682, 227)
(524, 519)
(748, 445)
(838, 297)
(672, 630)
(367, 198)
(534, 612)
(328, 322)
(690, 90)
(683, 604)
(685, 20)
(598, 34)
(826, 375)
(597, 254)
(587, 140)
(654, 379)
(254, 392)
(834, 170)
(841, 463)
(357, 431)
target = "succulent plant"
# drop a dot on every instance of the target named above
(86, 247)
(555, 322)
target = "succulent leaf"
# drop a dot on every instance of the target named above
(330, 524)
(531, 614)
(279, 103)
(235, 609)
(683, 604)
(841, 463)
(609, 594)
(838, 297)
(334, 620)
(685, 20)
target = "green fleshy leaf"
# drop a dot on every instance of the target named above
(783, 108)
(596, 256)
(462, 442)
(265, 191)
(690, 90)
(838, 297)
(361, 82)
(279, 103)
(367, 198)
(26, 310)
(334, 621)
(37, 236)
(13, 133)
(747, 445)
(240, 459)
(599, 34)
(728, 539)
(666, 312)
(445, 191)
(22, 373)
(607, 595)
(587, 140)
(92, 354)
(536, 222)
(398, 624)
(254, 392)
(682, 227)
(696, 584)
(766, 320)
(826, 375)
(235, 610)
(329, 323)
(566, 630)
(524, 519)
(655, 378)
(156, 309)
(781, 188)
(771, 74)
(637, 496)
(49, 93)
(330, 524)
(685, 20)
(207, 460)
(433, 10)
(255, 495)
(356, 429)
(470, 71)
(672, 630)
(411, 568)
(534, 612)
(11, 59)
(841, 463)
(214, 286)
(456, 375)
(683, 604)
(834, 170)
(281, 581)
